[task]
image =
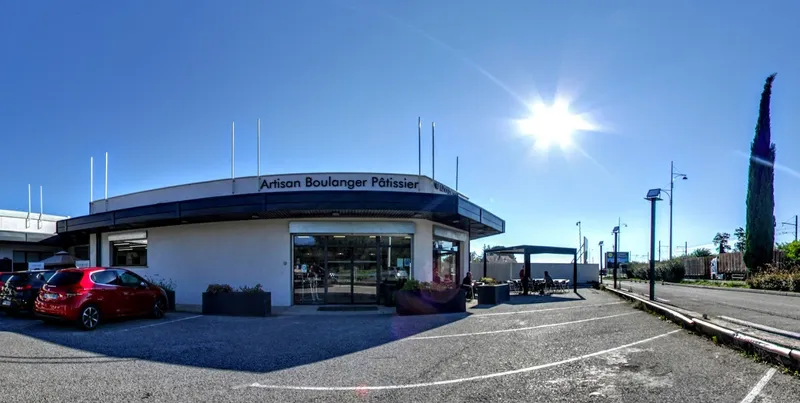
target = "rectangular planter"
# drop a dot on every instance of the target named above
(170, 300)
(493, 294)
(430, 302)
(237, 304)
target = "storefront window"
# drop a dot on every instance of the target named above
(129, 253)
(446, 260)
(347, 269)
(308, 270)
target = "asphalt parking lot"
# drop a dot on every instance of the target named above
(561, 348)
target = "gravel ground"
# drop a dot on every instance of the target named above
(777, 311)
(560, 348)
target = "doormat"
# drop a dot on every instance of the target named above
(347, 308)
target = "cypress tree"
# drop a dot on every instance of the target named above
(760, 232)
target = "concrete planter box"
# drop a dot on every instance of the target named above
(170, 300)
(237, 304)
(493, 294)
(430, 302)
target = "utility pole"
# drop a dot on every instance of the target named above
(672, 176)
(602, 258)
(659, 250)
(685, 248)
(580, 236)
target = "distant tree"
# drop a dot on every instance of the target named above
(791, 252)
(760, 224)
(701, 252)
(740, 237)
(722, 241)
(492, 258)
(474, 257)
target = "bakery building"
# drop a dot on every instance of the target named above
(322, 238)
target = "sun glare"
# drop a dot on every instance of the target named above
(553, 124)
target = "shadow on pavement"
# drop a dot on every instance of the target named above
(228, 343)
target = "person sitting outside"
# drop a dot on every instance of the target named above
(548, 282)
(467, 286)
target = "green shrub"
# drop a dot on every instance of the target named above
(671, 271)
(414, 285)
(166, 284)
(218, 288)
(251, 290)
(774, 279)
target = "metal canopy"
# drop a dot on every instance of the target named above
(528, 250)
(531, 250)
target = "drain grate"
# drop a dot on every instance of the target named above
(347, 308)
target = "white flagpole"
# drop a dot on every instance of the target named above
(456, 173)
(106, 185)
(91, 181)
(259, 151)
(433, 150)
(233, 145)
(41, 207)
(419, 144)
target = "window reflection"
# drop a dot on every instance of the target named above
(446, 262)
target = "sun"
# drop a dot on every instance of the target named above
(553, 124)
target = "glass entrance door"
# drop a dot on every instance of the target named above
(352, 268)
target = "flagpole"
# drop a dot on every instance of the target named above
(233, 173)
(419, 144)
(259, 153)
(456, 173)
(433, 150)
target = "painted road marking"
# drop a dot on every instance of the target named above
(759, 386)
(517, 329)
(155, 324)
(662, 299)
(479, 315)
(453, 381)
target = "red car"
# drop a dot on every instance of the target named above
(93, 294)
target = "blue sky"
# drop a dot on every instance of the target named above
(339, 84)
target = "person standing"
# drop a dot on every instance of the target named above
(524, 279)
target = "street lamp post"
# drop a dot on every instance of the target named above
(615, 232)
(580, 236)
(672, 176)
(602, 257)
(653, 195)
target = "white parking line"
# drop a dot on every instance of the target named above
(662, 299)
(759, 386)
(452, 381)
(544, 310)
(155, 324)
(517, 329)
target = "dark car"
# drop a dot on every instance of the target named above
(90, 295)
(20, 290)
(3, 277)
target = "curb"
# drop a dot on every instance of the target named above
(781, 354)
(750, 290)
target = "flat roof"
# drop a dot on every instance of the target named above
(448, 209)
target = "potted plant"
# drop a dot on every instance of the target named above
(222, 299)
(423, 298)
(168, 286)
(492, 293)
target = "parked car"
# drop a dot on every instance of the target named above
(20, 290)
(3, 277)
(90, 295)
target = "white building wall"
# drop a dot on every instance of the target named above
(240, 253)
(423, 251)
(236, 253)
(506, 271)
(16, 221)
